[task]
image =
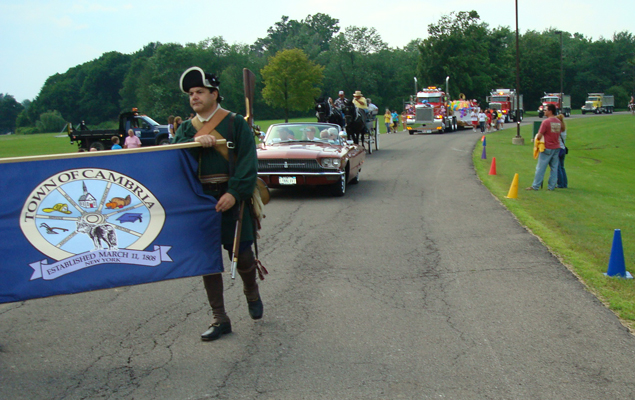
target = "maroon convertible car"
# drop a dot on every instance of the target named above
(309, 153)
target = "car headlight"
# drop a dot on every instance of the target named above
(330, 162)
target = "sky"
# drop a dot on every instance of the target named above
(40, 38)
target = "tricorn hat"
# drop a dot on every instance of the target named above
(358, 93)
(196, 77)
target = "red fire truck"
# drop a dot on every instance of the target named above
(506, 100)
(431, 113)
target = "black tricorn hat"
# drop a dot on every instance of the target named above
(196, 77)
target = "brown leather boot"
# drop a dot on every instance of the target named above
(221, 325)
(246, 268)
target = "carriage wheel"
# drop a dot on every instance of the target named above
(370, 144)
(376, 135)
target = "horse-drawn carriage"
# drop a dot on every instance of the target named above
(361, 126)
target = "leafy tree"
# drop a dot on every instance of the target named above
(9, 111)
(290, 81)
(312, 34)
(50, 121)
(460, 46)
(99, 91)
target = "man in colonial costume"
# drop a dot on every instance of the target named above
(230, 185)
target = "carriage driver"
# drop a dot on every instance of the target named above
(340, 103)
(359, 100)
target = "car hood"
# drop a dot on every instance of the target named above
(300, 150)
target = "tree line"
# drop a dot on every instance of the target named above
(476, 57)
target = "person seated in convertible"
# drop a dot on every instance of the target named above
(284, 134)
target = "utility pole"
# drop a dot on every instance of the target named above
(517, 139)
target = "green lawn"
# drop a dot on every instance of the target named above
(577, 223)
(33, 145)
(50, 143)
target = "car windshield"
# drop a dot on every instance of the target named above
(149, 120)
(324, 133)
(499, 98)
(550, 99)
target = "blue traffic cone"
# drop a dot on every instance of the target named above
(483, 155)
(617, 266)
(484, 141)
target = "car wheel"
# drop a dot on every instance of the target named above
(411, 132)
(164, 141)
(98, 145)
(339, 189)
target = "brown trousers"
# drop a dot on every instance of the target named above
(246, 268)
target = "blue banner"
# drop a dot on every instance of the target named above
(101, 220)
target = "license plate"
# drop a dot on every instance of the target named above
(287, 180)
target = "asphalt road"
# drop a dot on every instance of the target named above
(416, 284)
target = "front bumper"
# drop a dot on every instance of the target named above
(287, 179)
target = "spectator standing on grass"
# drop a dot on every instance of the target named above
(563, 182)
(549, 130)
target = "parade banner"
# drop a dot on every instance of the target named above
(98, 220)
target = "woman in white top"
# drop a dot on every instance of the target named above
(563, 183)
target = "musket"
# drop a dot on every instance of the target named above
(249, 84)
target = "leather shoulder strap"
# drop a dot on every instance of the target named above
(209, 128)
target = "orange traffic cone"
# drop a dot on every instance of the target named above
(513, 189)
(492, 169)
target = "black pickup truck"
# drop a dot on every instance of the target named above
(146, 129)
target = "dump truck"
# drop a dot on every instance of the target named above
(563, 106)
(598, 103)
(508, 102)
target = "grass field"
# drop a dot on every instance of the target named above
(56, 143)
(577, 223)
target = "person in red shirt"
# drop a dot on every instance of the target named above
(550, 131)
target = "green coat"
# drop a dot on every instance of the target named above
(242, 184)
